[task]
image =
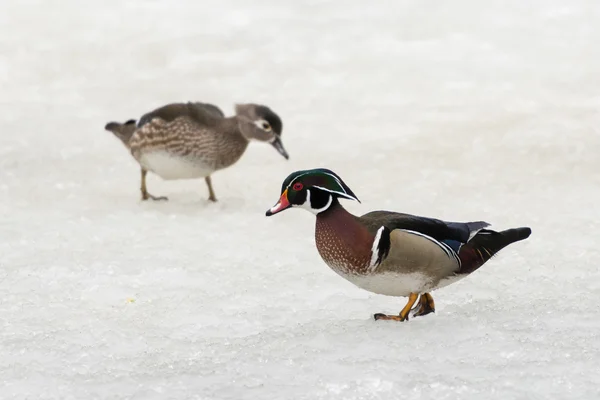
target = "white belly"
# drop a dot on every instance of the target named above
(392, 284)
(399, 285)
(169, 166)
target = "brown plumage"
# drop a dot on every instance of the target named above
(193, 140)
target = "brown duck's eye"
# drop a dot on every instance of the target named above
(297, 186)
(266, 126)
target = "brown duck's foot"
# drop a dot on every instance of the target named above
(426, 306)
(211, 192)
(146, 196)
(403, 316)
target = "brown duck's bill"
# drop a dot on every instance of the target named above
(281, 205)
(279, 147)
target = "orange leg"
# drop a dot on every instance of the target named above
(426, 305)
(403, 316)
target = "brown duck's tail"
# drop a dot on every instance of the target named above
(122, 131)
(485, 244)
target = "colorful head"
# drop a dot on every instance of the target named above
(260, 123)
(313, 189)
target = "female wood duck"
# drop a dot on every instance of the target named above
(387, 252)
(193, 140)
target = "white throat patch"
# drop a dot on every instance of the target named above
(306, 205)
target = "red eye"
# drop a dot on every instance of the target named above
(297, 186)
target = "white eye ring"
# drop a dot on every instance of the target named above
(264, 125)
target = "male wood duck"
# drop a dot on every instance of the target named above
(386, 252)
(193, 140)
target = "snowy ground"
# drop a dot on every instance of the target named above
(460, 110)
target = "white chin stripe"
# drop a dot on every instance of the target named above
(306, 204)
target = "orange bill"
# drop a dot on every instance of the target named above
(281, 205)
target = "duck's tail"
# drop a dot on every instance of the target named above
(485, 244)
(122, 131)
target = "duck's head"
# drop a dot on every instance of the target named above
(314, 190)
(258, 122)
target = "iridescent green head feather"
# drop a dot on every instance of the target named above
(313, 189)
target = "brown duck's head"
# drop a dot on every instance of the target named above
(122, 131)
(258, 122)
(314, 190)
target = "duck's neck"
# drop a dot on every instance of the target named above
(335, 210)
(342, 241)
(230, 142)
(230, 126)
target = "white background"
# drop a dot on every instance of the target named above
(460, 110)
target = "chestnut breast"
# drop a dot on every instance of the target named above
(343, 243)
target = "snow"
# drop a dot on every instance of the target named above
(460, 110)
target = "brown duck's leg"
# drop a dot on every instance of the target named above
(403, 316)
(145, 194)
(211, 192)
(426, 305)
